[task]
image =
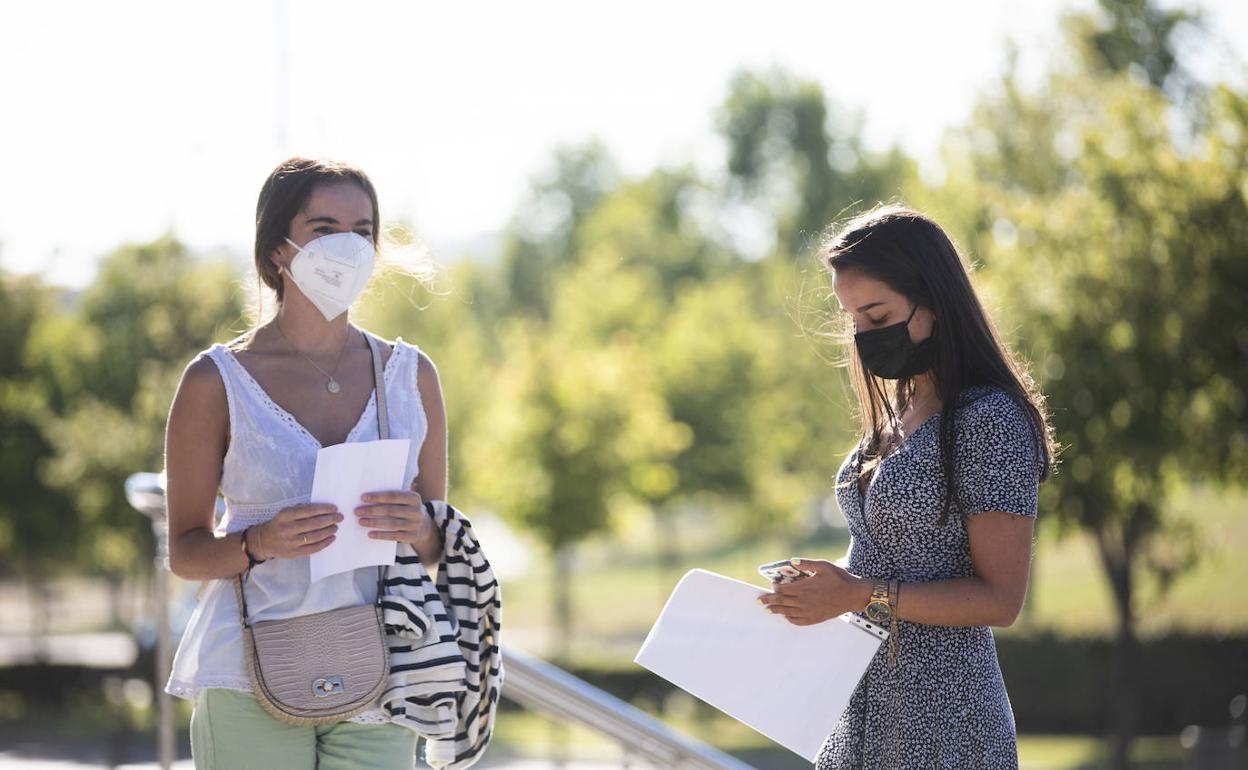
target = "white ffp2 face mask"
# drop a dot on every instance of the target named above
(333, 270)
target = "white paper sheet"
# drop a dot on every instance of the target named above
(344, 472)
(791, 683)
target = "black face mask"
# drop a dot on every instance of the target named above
(890, 354)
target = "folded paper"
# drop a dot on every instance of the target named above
(344, 472)
(790, 683)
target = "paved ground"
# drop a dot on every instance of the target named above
(25, 752)
(9, 762)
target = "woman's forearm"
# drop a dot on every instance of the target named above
(830, 590)
(968, 601)
(200, 555)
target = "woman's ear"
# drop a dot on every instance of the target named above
(278, 259)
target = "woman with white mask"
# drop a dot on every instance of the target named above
(247, 421)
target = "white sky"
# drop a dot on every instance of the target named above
(122, 120)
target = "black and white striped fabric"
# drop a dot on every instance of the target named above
(446, 668)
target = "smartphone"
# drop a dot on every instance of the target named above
(781, 572)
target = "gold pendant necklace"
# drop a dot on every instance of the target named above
(332, 386)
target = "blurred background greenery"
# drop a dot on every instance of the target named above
(636, 387)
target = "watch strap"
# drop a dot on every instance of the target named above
(879, 592)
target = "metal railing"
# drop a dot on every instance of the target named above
(529, 681)
(539, 686)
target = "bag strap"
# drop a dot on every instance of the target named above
(383, 427)
(383, 432)
(383, 417)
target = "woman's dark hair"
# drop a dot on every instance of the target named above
(913, 256)
(285, 193)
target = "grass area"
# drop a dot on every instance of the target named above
(1086, 752)
(619, 587)
(1070, 593)
(518, 733)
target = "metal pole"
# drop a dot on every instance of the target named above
(281, 69)
(146, 493)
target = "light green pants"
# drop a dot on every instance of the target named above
(230, 731)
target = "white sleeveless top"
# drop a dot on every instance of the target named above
(268, 466)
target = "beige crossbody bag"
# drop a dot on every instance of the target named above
(328, 666)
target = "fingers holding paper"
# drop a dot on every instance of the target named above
(828, 592)
(395, 515)
(298, 530)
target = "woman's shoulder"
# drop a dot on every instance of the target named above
(419, 358)
(394, 345)
(410, 349)
(988, 402)
(206, 364)
(203, 383)
(991, 417)
(207, 370)
(414, 357)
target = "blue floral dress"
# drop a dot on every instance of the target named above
(943, 703)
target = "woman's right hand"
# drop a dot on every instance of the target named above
(295, 531)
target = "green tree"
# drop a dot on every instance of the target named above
(451, 319)
(1135, 36)
(568, 432)
(804, 165)
(36, 518)
(543, 237)
(148, 311)
(37, 528)
(1121, 263)
(729, 361)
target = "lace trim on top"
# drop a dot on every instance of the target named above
(285, 416)
(241, 515)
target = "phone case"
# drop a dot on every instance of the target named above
(781, 572)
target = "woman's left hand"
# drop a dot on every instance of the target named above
(828, 592)
(395, 515)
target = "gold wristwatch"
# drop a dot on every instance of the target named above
(879, 609)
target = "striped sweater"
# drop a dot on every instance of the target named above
(446, 668)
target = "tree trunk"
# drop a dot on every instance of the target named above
(1117, 557)
(561, 595)
(667, 548)
(116, 615)
(40, 598)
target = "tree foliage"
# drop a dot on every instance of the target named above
(1111, 219)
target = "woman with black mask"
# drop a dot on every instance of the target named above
(940, 398)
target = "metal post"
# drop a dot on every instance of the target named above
(146, 493)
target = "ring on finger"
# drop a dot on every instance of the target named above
(305, 539)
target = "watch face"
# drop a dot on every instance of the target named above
(879, 612)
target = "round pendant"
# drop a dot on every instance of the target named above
(333, 387)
